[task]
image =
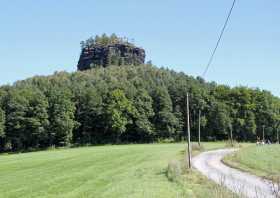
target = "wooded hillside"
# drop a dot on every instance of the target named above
(128, 104)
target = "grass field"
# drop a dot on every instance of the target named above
(101, 171)
(260, 160)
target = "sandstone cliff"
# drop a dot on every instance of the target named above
(113, 54)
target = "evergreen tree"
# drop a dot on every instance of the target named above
(143, 116)
(165, 121)
(90, 115)
(250, 126)
(222, 122)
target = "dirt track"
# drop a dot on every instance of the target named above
(210, 164)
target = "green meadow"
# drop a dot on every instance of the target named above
(104, 171)
(259, 160)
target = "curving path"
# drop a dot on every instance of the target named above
(210, 164)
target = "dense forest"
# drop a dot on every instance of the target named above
(127, 105)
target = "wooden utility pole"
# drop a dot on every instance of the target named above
(199, 114)
(189, 133)
(263, 134)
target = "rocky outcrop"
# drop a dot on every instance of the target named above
(114, 54)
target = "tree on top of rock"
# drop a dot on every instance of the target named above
(105, 40)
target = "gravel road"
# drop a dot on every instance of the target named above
(210, 164)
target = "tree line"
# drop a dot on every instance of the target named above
(128, 104)
(105, 40)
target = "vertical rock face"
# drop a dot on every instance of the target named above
(113, 54)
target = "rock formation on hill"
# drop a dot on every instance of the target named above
(104, 51)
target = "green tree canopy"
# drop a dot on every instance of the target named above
(119, 112)
(2, 123)
(129, 104)
(62, 120)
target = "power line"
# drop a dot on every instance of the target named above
(219, 40)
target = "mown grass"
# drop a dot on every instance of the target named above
(263, 161)
(101, 171)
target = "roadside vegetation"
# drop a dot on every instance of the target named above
(153, 170)
(263, 161)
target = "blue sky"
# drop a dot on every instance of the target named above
(40, 37)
